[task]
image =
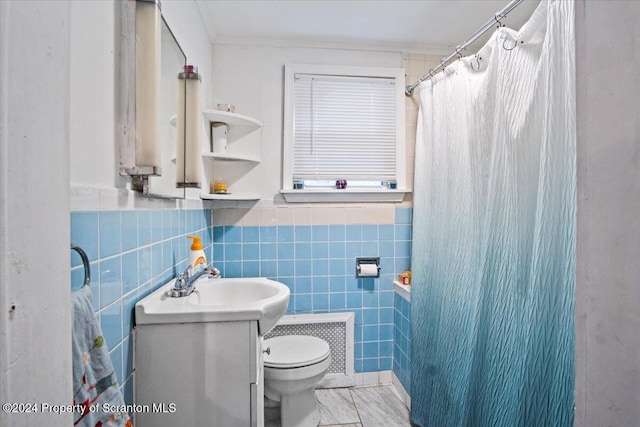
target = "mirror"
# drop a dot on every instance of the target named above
(173, 62)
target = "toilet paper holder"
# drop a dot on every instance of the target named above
(364, 267)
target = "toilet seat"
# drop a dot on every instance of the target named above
(295, 351)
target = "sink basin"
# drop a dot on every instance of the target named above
(218, 300)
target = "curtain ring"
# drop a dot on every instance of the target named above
(444, 71)
(504, 44)
(478, 61)
(458, 50)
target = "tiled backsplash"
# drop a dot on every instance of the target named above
(131, 253)
(316, 259)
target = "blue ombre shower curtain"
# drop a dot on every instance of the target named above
(493, 256)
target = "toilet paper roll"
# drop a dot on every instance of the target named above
(368, 270)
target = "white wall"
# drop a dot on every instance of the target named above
(608, 241)
(251, 77)
(57, 73)
(94, 163)
(35, 318)
(186, 24)
(93, 158)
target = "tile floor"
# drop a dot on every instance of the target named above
(376, 406)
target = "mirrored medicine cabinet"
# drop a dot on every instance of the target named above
(173, 60)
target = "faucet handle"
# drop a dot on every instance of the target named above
(181, 282)
(188, 273)
(181, 279)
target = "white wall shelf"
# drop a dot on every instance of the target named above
(229, 158)
(242, 155)
(403, 290)
(231, 119)
(231, 196)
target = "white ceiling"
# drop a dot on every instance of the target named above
(418, 25)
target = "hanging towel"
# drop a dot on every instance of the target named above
(96, 393)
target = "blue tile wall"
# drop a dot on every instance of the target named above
(134, 252)
(131, 254)
(402, 341)
(317, 263)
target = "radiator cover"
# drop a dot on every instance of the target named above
(337, 329)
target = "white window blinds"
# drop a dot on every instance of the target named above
(344, 128)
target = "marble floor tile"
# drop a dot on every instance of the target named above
(336, 407)
(380, 406)
(376, 406)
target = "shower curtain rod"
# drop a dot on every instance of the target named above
(490, 23)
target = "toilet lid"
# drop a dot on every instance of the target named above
(294, 351)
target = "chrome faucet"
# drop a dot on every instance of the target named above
(186, 282)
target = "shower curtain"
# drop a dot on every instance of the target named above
(493, 254)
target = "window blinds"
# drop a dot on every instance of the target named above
(344, 128)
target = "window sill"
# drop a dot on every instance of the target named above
(353, 195)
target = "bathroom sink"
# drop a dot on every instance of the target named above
(218, 300)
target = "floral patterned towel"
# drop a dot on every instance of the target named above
(96, 393)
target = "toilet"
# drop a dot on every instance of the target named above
(293, 365)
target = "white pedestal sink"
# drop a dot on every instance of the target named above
(203, 352)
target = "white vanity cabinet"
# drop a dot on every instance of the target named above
(211, 372)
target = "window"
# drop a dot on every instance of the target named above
(343, 123)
